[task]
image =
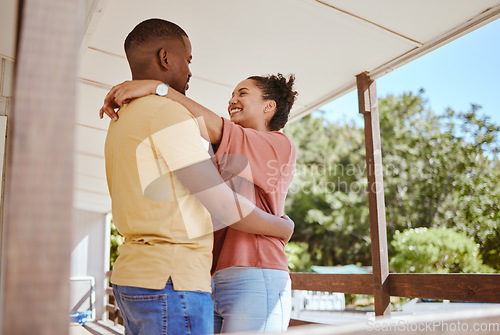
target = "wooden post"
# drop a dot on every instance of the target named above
(368, 106)
(39, 171)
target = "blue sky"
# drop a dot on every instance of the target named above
(463, 72)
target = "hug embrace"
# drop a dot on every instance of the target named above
(204, 229)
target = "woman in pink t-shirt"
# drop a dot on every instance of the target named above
(251, 285)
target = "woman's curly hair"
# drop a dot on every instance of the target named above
(279, 89)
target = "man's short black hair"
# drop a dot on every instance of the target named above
(153, 29)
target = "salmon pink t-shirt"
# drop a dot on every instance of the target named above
(270, 157)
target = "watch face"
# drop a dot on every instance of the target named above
(162, 89)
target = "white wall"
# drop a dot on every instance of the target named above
(6, 80)
(90, 236)
(8, 26)
(90, 255)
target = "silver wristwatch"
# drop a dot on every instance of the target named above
(162, 89)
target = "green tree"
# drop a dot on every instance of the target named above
(439, 171)
(116, 241)
(436, 250)
(299, 260)
(327, 198)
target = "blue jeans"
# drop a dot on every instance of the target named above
(147, 312)
(247, 298)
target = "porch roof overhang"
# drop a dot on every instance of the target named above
(324, 43)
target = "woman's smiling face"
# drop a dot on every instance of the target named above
(247, 107)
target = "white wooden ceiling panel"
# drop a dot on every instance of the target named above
(420, 20)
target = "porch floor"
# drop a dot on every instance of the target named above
(96, 328)
(77, 329)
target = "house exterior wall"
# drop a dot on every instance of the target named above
(8, 22)
(6, 81)
(90, 256)
(90, 233)
(90, 252)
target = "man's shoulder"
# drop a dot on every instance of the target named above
(154, 102)
(159, 107)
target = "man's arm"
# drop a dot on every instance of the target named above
(175, 137)
(270, 225)
(203, 181)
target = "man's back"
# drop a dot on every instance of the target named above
(153, 211)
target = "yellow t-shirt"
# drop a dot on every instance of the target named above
(167, 230)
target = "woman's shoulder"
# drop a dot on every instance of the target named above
(282, 138)
(274, 140)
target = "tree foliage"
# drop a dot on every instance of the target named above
(116, 241)
(439, 171)
(437, 250)
(327, 199)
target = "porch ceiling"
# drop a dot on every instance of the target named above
(324, 43)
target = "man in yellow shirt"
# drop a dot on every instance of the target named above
(162, 183)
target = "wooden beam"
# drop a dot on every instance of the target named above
(458, 287)
(343, 283)
(39, 171)
(368, 106)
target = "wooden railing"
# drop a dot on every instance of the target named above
(111, 306)
(455, 287)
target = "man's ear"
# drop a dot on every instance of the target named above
(162, 57)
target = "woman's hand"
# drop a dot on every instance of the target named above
(123, 93)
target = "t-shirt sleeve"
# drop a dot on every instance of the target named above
(176, 137)
(269, 154)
